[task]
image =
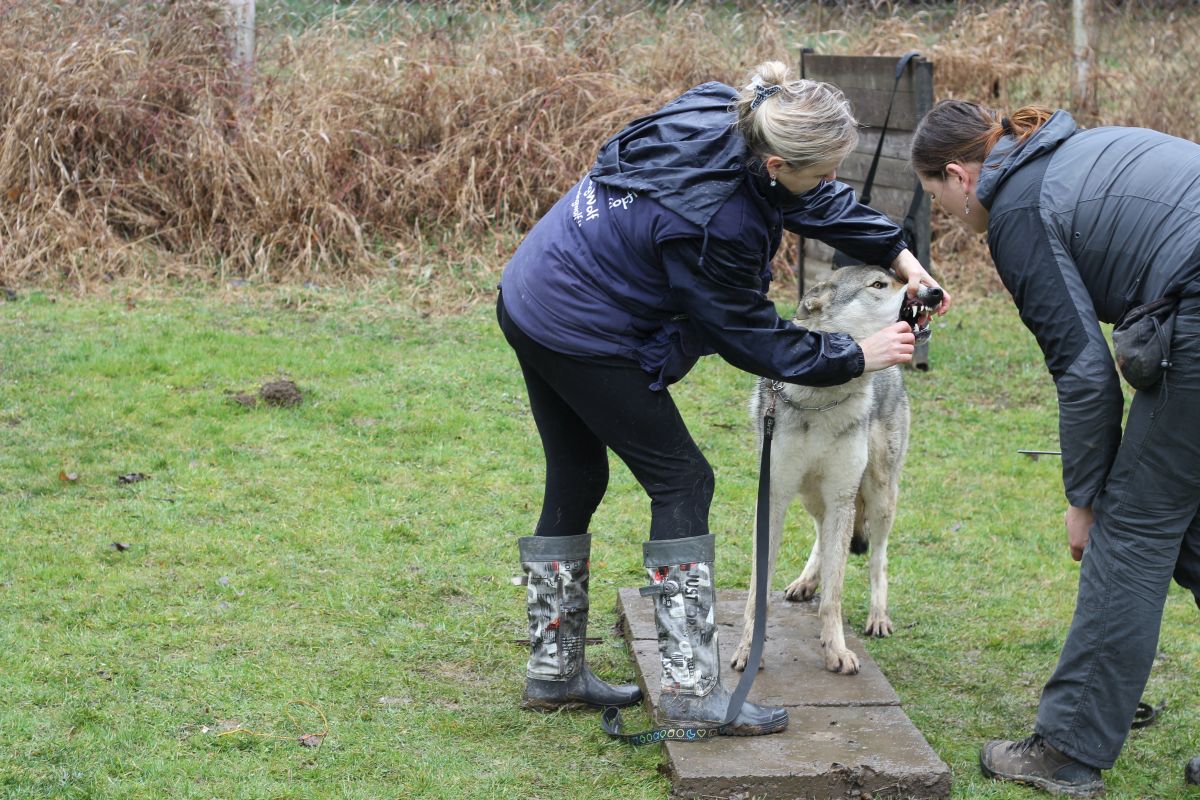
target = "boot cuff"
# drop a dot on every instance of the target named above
(679, 551)
(555, 548)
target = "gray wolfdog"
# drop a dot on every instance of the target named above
(841, 448)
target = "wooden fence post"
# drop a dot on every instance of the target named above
(1083, 17)
(240, 38)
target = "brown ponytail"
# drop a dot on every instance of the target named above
(958, 131)
(1027, 119)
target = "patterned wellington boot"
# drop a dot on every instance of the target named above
(680, 572)
(556, 574)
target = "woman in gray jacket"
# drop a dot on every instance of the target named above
(1085, 226)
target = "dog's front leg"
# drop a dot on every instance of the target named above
(880, 491)
(835, 531)
(878, 621)
(804, 588)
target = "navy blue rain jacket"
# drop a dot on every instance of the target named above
(662, 253)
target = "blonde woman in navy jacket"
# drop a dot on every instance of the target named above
(659, 255)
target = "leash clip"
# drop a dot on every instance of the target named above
(776, 390)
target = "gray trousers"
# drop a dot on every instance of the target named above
(1147, 531)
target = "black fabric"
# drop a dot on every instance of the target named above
(1040, 286)
(1085, 224)
(689, 157)
(830, 213)
(582, 407)
(682, 155)
(1142, 342)
(589, 279)
(725, 300)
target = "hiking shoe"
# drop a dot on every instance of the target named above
(1035, 762)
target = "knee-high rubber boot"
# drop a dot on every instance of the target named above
(556, 574)
(681, 575)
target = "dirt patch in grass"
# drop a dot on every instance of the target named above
(279, 393)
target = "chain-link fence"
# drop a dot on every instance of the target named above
(419, 140)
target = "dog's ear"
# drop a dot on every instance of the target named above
(814, 300)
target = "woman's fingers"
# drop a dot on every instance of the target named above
(888, 347)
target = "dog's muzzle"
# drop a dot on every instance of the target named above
(917, 310)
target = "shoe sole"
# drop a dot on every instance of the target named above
(727, 730)
(756, 730)
(1042, 783)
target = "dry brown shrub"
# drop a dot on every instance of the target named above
(421, 152)
(987, 52)
(1158, 50)
(86, 119)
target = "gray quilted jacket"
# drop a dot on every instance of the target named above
(1084, 225)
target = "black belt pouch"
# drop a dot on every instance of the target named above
(1142, 342)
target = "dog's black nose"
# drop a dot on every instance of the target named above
(930, 296)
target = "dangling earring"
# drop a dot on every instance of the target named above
(773, 181)
(966, 206)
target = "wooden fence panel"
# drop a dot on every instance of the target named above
(867, 82)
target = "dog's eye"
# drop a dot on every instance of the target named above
(878, 285)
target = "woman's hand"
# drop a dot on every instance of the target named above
(1079, 525)
(888, 347)
(910, 270)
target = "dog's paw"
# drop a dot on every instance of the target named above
(879, 625)
(741, 656)
(800, 591)
(843, 662)
(738, 662)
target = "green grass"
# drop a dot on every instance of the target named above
(354, 553)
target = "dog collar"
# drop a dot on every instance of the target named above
(777, 388)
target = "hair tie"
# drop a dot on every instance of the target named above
(1006, 126)
(761, 93)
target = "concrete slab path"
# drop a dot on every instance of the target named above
(847, 736)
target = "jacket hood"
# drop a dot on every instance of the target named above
(686, 156)
(1007, 155)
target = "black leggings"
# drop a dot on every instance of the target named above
(583, 406)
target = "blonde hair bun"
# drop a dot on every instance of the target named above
(803, 122)
(771, 73)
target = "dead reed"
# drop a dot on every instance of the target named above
(419, 150)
